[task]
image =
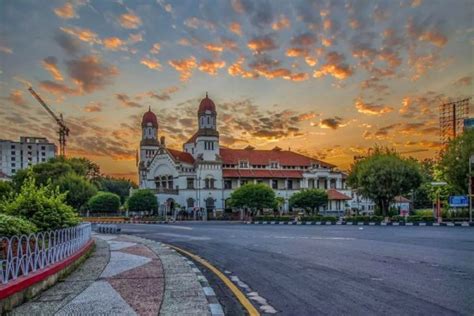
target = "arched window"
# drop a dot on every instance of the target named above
(170, 182)
(210, 204)
(209, 183)
(163, 182)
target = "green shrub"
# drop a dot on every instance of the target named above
(413, 219)
(319, 218)
(104, 202)
(270, 218)
(79, 190)
(43, 206)
(142, 200)
(364, 219)
(12, 225)
(424, 212)
(6, 190)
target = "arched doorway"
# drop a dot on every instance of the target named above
(210, 204)
(170, 207)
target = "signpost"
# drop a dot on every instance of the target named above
(438, 202)
(458, 201)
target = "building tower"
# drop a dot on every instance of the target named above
(149, 143)
(207, 137)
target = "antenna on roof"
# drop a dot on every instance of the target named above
(206, 95)
(149, 108)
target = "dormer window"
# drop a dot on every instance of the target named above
(243, 164)
(274, 164)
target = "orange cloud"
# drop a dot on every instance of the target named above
(282, 23)
(235, 28)
(57, 88)
(296, 52)
(156, 48)
(311, 61)
(85, 35)
(236, 69)
(184, 67)
(213, 47)
(66, 11)
(151, 63)
(371, 109)
(16, 97)
(113, 43)
(335, 67)
(464, 81)
(135, 38)
(262, 44)
(93, 107)
(130, 20)
(210, 66)
(50, 65)
(196, 23)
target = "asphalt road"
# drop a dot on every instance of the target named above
(334, 270)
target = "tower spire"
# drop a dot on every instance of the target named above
(207, 96)
(149, 108)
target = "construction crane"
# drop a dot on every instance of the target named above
(63, 130)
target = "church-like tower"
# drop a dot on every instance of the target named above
(207, 136)
(149, 143)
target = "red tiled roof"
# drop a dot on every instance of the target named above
(252, 173)
(336, 195)
(206, 105)
(149, 117)
(263, 157)
(192, 139)
(181, 156)
(401, 199)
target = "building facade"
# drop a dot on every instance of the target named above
(28, 151)
(204, 174)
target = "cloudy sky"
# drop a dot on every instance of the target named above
(325, 78)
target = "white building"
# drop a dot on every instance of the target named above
(204, 174)
(27, 152)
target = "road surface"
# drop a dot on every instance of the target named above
(333, 270)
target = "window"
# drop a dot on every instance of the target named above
(332, 184)
(275, 184)
(209, 183)
(190, 202)
(170, 182)
(13, 153)
(190, 183)
(13, 147)
(13, 164)
(274, 165)
(13, 158)
(243, 164)
(227, 184)
(43, 147)
(290, 184)
(43, 153)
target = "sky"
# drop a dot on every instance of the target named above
(328, 79)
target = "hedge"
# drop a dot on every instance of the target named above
(364, 219)
(319, 218)
(269, 218)
(14, 226)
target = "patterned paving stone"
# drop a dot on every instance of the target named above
(99, 298)
(117, 245)
(150, 270)
(120, 262)
(140, 250)
(143, 295)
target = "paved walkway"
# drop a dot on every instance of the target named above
(125, 275)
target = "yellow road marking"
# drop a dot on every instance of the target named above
(234, 289)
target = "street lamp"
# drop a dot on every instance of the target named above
(471, 163)
(438, 203)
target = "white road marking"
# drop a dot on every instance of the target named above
(184, 236)
(179, 227)
(307, 237)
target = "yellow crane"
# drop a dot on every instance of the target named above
(63, 130)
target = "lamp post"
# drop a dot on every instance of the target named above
(471, 163)
(438, 202)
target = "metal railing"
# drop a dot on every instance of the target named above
(22, 255)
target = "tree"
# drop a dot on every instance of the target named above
(142, 200)
(422, 195)
(121, 187)
(15, 226)
(253, 196)
(42, 205)
(454, 162)
(104, 202)
(78, 190)
(6, 189)
(309, 199)
(384, 175)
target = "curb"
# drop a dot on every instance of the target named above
(446, 224)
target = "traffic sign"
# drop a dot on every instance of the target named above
(458, 201)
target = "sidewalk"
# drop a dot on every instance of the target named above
(126, 275)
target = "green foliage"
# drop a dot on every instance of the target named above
(414, 219)
(383, 175)
(78, 190)
(309, 199)
(6, 190)
(121, 187)
(454, 163)
(104, 202)
(81, 166)
(142, 200)
(319, 218)
(422, 196)
(43, 206)
(253, 196)
(270, 218)
(364, 219)
(15, 226)
(424, 212)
